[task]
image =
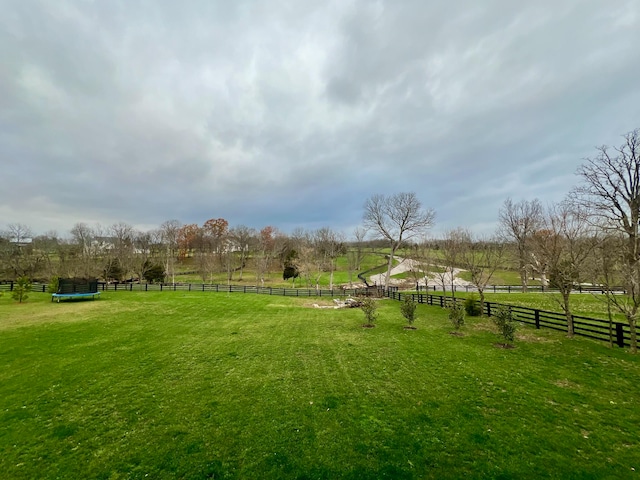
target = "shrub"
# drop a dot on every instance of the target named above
(54, 283)
(456, 315)
(472, 307)
(408, 308)
(369, 307)
(21, 289)
(505, 323)
(154, 273)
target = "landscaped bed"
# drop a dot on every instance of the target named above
(218, 385)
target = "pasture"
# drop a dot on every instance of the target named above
(215, 385)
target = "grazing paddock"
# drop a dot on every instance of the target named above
(217, 385)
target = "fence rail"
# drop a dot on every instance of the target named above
(517, 289)
(593, 328)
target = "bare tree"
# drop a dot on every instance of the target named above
(453, 246)
(566, 245)
(518, 223)
(88, 250)
(18, 233)
(170, 230)
(242, 238)
(482, 260)
(420, 254)
(329, 245)
(355, 252)
(610, 191)
(143, 251)
(17, 252)
(123, 246)
(265, 252)
(397, 218)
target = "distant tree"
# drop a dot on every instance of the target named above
(112, 270)
(421, 259)
(143, 243)
(518, 223)
(355, 252)
(243, 240)
(188, 236)
(482, 260)
(154, 273)
(328, 246)
(397, 218)
(122, 247)
(216, 231)
(83, 259)
(18, 233)
(169, 238)
(290, 272)
(453, 247)
(265, 253)
(18, 256)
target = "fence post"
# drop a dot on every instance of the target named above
(537, 318)
(488, 309)
(620, 335)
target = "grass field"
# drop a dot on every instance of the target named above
(206, 385)
(585, 304)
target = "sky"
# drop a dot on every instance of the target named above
(293, 113)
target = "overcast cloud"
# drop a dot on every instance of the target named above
(293, 113)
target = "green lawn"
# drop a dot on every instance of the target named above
(205, 385)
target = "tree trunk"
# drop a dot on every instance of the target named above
(567, 310)
(389, 267)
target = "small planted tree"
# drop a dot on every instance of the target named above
(21, 289)
(472, 307)
(456, 317)
(369, 307)
(506, 326)
(53, 284)
(408, 310)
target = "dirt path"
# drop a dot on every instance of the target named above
(408, 265)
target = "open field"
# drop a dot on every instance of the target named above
(206, 385)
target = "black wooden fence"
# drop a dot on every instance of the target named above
(593, 328)
(516, 289)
